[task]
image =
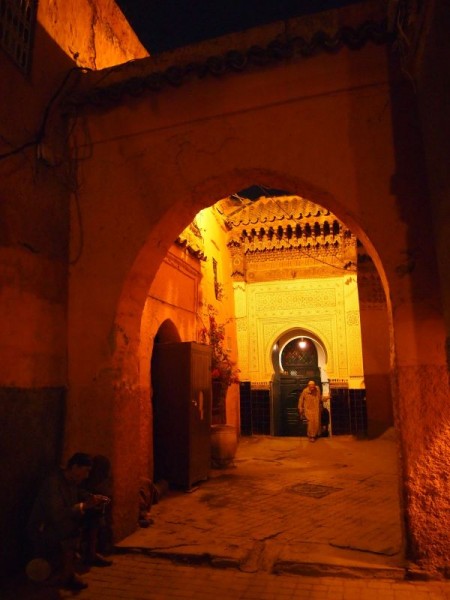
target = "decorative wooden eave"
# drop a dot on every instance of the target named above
(192, 241)
(196, 252)
(284, 223)
(268, 210)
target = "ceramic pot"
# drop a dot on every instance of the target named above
(223, 445)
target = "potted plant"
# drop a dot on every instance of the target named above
(223, 370)
(223, 373)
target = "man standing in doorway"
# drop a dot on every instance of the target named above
(309, 407)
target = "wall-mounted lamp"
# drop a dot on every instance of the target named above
(302, 344)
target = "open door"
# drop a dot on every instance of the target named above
(299, 362)
(181, 376)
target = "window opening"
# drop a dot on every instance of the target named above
(17, 24)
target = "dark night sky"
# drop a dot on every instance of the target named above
(166, 24)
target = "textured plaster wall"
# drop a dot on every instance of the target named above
(172, 296)
(432, 80)
(215, 238)
(93, 34)
(426, 471)
(180, 292)
(34, 227)
(418, 366)
(338, 129)
(34, 223)
(375, 338)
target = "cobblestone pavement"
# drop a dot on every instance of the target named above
(136, 577)
(290, 520)
(288, 503)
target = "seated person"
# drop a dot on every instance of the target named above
(99, 534)
(59, 514)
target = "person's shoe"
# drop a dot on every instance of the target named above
(74, 583)
(98, 561)
(145, 522)
(312, 439)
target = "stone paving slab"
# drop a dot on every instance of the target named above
(285, 503)
(292, 521)
(328, 510)
(137, 577)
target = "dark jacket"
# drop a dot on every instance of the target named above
(56, 513)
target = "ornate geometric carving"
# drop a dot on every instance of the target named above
(353, 317)
(294, 300)
(242, 342)
(293, 222)
(241, 324)
(240, 301)
(268, 329)
(371, 289)
(237, 262)
(354, 353)
(286, 238)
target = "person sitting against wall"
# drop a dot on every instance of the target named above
(60, 512)
(310, 407)
(99, 534)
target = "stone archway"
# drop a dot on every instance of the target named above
(151, 165)
(131, 381)
(299, 356)
(315, 340)
(166, 333)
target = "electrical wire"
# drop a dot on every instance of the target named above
(45, 116)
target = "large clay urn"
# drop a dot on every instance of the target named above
(224, 443)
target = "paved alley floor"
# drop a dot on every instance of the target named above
(288, 506)
(292, 520)
(138, 577)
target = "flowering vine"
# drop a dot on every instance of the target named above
(222, 367)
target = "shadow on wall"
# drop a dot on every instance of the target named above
(379, 405)
(31, 416)
(32, 424)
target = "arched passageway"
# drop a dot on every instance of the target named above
(324, 138)
(329, 304)
(181, 283)
(242, 492)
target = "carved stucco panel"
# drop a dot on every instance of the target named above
(243, 346)
(293, 301)
(354, 346)
(353, 328)
(326, 308)
(353, 318)
(240, 299)
(242, 340)
(268, 331)
(341, 334)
